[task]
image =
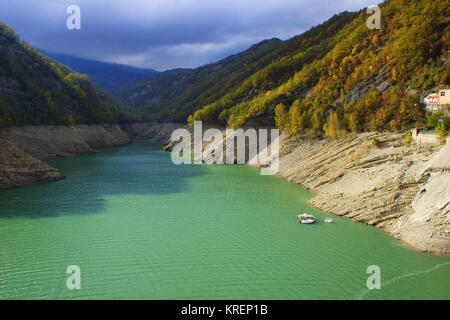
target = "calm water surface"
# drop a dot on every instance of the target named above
(140, 227)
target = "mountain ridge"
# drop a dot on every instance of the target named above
(107, 76)
(163, 93)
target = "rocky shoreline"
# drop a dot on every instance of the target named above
(373, 178)
(18, 168)
(23, 149)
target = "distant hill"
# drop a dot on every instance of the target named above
(174, 94)
(107, 76)
(34, 89)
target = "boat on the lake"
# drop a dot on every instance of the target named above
(328, 220)
(306, 218)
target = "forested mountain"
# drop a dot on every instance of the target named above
(336, 77)
(35, 89)
(366, 80)
(108, 76)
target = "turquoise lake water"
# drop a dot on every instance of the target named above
(140, 227)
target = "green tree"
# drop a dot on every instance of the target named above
(433, 119)
(442, 128)
(408, 139)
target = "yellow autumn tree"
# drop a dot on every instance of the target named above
(190, 121)
(295, 119)
(333, 127)
(281, 117)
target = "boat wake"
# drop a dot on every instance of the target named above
(415, 273)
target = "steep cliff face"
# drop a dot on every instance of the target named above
(18, 168)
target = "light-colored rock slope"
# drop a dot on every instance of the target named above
(427, 226)
(379, 185)
(48, 142)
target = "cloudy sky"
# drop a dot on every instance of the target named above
(165, 34)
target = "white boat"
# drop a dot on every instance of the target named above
(328, 220)
(306, 218)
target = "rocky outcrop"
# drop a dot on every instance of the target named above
(18, 168)
(378, 81)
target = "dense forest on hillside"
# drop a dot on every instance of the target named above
(367, 80)
(34, 89)
(338, 76)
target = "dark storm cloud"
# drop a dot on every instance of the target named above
(164, 34)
